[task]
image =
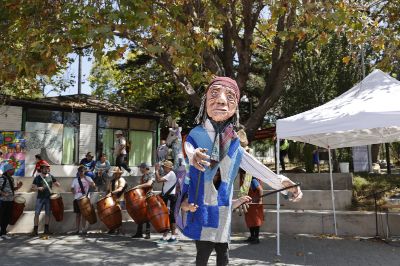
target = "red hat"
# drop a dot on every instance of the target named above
(44, 164)
(226, 82)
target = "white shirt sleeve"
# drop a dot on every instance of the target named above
(73, 183)
(89, 179)
(170, 176)
(189, 149)
(255, 168)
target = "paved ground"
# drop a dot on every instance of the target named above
(102, 249)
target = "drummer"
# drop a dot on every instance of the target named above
(168, 178)
(7, 189)
(117, 187)
(146, 183)
(79, 187)
(43, 184)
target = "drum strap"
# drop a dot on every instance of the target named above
(169, 190)
(44, 180)
(10, 181)
(81, 185)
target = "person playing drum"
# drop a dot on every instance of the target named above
(43, 184)
(146, 183)
(117, 187)
(211, 146)
(79, 187)
(168, 179)
(7, 189)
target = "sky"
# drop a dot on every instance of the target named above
(73, 69)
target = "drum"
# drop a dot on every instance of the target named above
(57, 206)
(17, 209)
(135, 201)
(87, 209)
(109, 212)
(157, 213)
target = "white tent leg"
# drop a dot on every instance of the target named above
(278, 206)
(332, 191)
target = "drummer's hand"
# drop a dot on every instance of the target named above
(57, 184)
(157, 166)
(19, 184)
(199, 159)
(296, 191)
(40, 189)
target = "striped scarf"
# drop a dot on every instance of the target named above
(224, 134)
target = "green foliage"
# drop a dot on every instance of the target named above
(253, 41)
(317, 77)
(142, 83)
(366, 184)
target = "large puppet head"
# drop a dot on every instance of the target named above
(221, 101)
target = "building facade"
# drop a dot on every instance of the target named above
(63, 129)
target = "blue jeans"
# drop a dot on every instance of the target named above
(40, 203)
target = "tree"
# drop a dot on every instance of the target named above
(193, 40)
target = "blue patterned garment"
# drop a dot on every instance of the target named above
(212, 220)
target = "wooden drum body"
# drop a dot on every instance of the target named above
(135, 201)
(109, 212)
(17, 209)
(157, 212)
(87, 209)
(57, 206)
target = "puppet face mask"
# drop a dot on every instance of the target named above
(221, 103)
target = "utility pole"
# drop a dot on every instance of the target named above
(79, 72)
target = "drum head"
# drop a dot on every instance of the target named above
(55, 196)
(82, 197)
(19, 199)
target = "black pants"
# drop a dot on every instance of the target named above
(204, 249)
(121, 162)
(172, 203)
(282, 155)
(5, 215)
(139, 230)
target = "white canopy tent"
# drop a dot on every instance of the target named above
(366, 114)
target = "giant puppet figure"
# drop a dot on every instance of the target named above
(204, 209)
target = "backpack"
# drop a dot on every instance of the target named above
(128, 146)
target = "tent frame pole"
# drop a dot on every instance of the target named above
(332, 191)
(278, 206)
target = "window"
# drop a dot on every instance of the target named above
(142, 143)
(117, 122)
(53, 135)
(140, 137)
(142, 124)
(44, 116)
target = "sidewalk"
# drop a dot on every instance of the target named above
(103, 249)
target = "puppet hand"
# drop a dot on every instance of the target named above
(199, 159)
(242, 203)
(296, 191)
(192, 207)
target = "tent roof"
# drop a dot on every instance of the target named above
(368, 113)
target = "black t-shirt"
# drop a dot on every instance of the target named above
(38, 181)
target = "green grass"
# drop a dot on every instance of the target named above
(366, 184)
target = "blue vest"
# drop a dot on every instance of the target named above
(212, 220)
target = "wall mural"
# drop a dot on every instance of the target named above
(44, 139)
(13, 146)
